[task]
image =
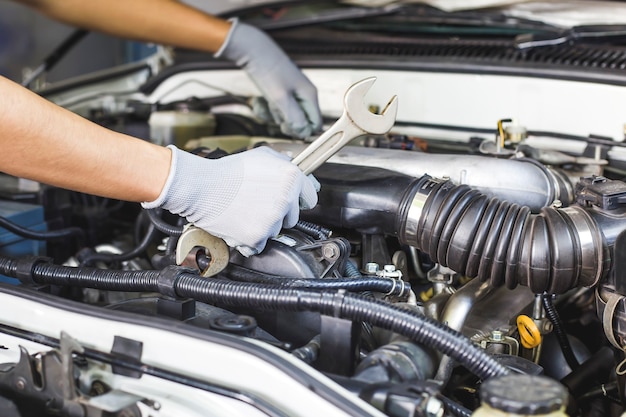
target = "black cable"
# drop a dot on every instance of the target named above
(454, 408)
(559, 331)
(351, 271)
(56, 55)
(47, 235)
(151, 233)
(313, 229)
(141, 223)
(161, 225)
(390, 286)
(177, 282)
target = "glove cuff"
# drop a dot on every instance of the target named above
(160, 200)
(234, 23)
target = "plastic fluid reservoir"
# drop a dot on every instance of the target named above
(178, 126)
(520, 395)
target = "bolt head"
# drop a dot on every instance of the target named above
(496, 335)
(371, 267)
(329, 251)
(434, 408)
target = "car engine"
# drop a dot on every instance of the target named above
(446, 270)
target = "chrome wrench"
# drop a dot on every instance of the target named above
(355, 121)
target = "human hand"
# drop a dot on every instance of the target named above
(244, 198)
(291, 97)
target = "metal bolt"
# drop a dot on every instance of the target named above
(496, 335)
(371, 267)
(547, 327)
(434, 408)
(329, 251)
(556, 204)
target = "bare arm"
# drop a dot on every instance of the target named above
(160, 21)
(46, 143)
(291, 98)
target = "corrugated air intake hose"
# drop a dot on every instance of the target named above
(464, 229)
(477, 236)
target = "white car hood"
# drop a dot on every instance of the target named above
(565, 13)
(558, 13)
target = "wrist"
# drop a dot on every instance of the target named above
(161, 190)
(234, 22)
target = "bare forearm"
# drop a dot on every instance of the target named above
(160, 21)
(46, 143)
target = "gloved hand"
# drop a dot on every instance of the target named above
(292, 98)
(244, 198)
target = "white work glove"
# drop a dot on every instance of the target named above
(244, 198)
(291, 97)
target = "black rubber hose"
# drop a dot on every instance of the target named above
(355, 307)
(177, 282)
(608, 390)
(594, 371)
(388, 286)
(76, 232)
(313, 229)
(161, 225)
(464, 229)
(140, 249)
(561, 335)
(454, 408)
(503, 243)
(309, 352)
(141, 223)
(351, 271)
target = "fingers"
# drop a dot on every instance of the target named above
(247, 251)
(308, 194)
(293, 214)
(297, 120)
(307, 99)
(296, 115)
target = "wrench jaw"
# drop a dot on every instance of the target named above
(355, 121)
(357, 111)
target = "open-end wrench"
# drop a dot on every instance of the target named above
(355, 121)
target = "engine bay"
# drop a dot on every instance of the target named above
(441, 256)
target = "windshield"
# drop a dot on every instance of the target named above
(420, 19)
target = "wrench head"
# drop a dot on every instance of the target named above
(355, 109)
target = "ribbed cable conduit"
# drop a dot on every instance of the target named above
(332, 303)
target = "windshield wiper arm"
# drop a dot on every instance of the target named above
(574, 34)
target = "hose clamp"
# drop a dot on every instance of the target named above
(25, 265)
(610, 307)
(168, 277)
(591, 246)
(415, 209)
